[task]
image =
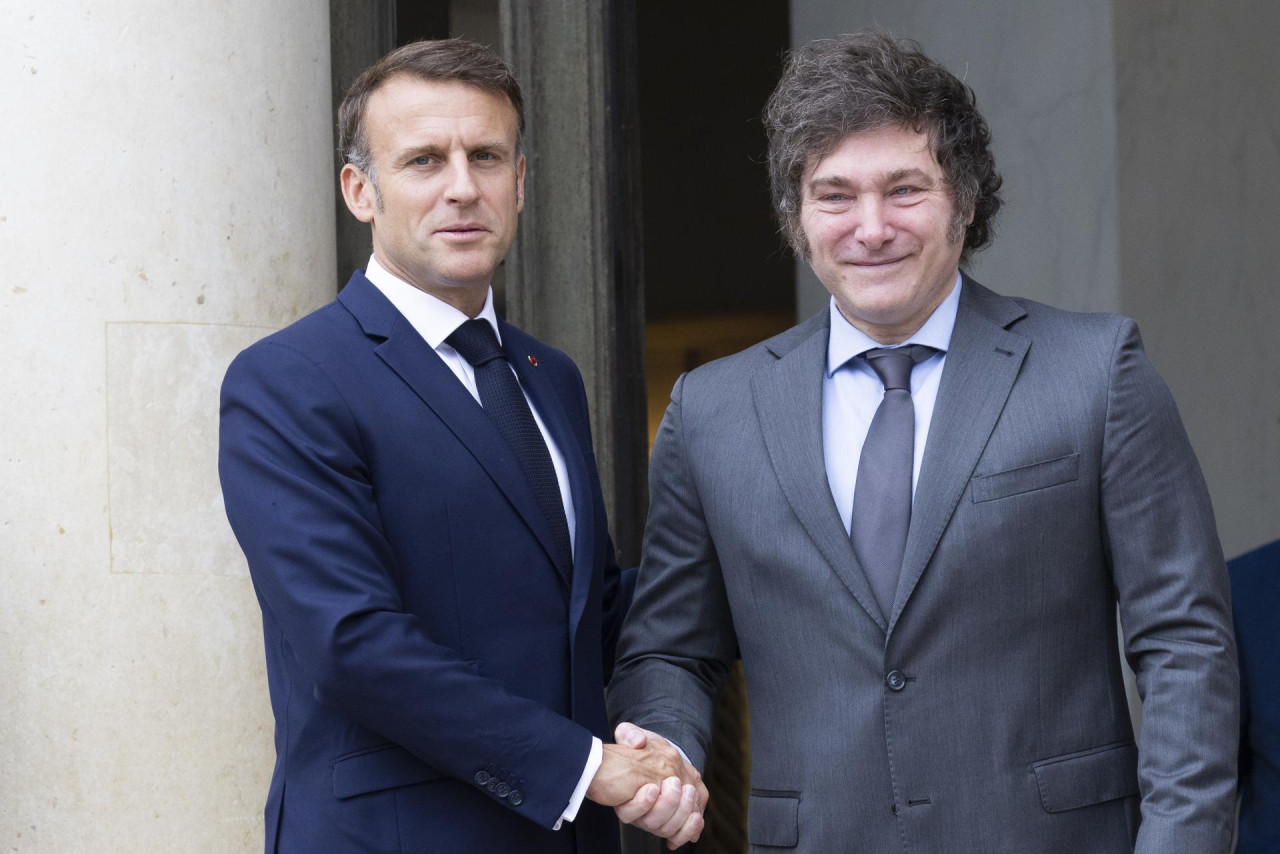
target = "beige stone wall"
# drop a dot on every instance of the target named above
(165, 200)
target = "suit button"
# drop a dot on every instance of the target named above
(516, 797)
(895, 680)
(502, 790)
(482, 778)
(493, 784)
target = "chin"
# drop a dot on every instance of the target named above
(877, 310)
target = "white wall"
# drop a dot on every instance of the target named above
(164, 200)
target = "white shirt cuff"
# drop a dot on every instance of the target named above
(594, 759)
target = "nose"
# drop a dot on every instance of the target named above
(462, 188)
(874, 229)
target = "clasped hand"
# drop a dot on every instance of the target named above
(649, 784)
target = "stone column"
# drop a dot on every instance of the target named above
(573, 277)
(165, 200)
(361, 33)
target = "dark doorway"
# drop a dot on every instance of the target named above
(717, 278)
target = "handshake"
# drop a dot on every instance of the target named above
(649, 784)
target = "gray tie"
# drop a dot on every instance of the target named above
(882, 495)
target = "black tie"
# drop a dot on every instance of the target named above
(882, 495)
(501, 397)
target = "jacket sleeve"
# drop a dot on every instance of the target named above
(300, 500)
(677, 642)
(1175, 610)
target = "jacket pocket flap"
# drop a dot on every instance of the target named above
(380, 768)
(773, 820)
(1091, 777)
(989, 487)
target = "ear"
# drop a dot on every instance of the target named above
(358, 193)
(520, 184)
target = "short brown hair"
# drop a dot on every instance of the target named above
(437, 60)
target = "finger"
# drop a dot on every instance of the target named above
(663, 809)
(630, 735)
(703, 795)
(643, 801)
(689, 833)
(688, 806)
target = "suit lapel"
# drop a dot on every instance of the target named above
(537, 383)
(421, 368)
(982, 364)
(788, 402)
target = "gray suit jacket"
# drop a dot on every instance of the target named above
(988, 713)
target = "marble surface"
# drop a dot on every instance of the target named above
(162, 480)
(166, 201)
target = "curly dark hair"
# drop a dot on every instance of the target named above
(865, 81)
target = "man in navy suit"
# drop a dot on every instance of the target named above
(439, 594)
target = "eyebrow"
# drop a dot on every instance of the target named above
(910, 173)
(409, 152)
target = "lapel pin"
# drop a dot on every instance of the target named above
(533, 360)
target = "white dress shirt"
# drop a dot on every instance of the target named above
(435, 320)
(851, 394)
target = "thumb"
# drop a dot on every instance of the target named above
(630, 735)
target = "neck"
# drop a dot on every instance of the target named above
(467, 297)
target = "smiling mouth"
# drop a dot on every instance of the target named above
(875, 264)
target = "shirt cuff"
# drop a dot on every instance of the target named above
(679, 750)
(594, 759)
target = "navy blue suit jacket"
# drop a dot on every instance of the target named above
(1255, 592)
(435, 681)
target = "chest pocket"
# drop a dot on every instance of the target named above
(989, 487)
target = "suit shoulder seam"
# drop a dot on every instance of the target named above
(321, 371)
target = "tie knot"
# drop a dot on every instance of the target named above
(893, 365)
(475, 341)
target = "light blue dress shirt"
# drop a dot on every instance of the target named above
(851, 393)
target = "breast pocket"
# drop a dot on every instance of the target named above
(1042, 475)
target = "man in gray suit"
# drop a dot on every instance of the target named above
(913, 517)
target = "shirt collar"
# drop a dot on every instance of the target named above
(433, 318)
(847, 341)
